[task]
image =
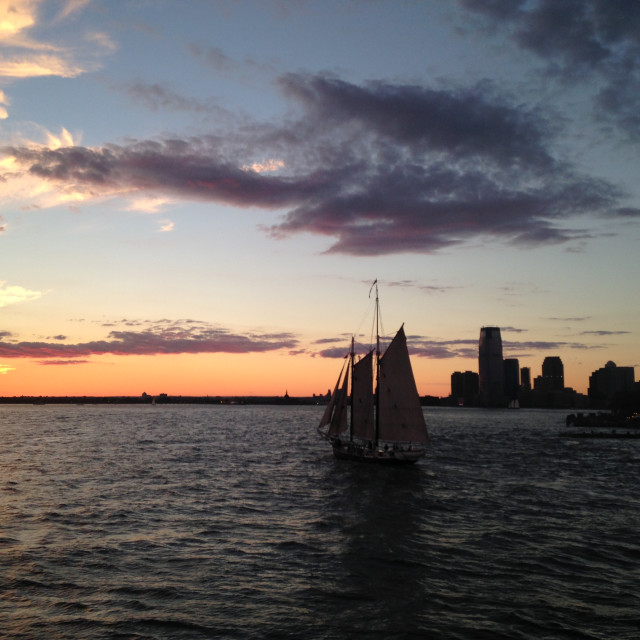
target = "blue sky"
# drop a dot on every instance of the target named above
(191, 189)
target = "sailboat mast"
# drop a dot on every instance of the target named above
(377, 423)
(352, 357)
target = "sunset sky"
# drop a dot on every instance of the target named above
(195, 197)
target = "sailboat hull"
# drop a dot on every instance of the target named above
(358, 453)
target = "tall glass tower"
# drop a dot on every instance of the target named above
(491, 368)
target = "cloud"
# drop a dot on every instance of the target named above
(63, 362)
(101, 40)
(166, 226)
(157, 97)
(419, 346)
(4, 102)
(15, 294)
(587, 33)
(15, 17)
(549, 345)
(426, 288)
(24, 190)
(378, 169)
(25, 57)
(40, 65)
(443, 349)
(595, 43)
(603, 332)
(265, 166)
(5, 368)
(214, 57)
(435, 349)
(147, 204)
(72, 6)
(159, 339)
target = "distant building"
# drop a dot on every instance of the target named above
(605, 383)
(552, 378)
(464, 387)
(491, 368)
(511, 378)
(525, 378)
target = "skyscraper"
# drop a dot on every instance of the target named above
(525, 378)
(464, 387)
(491, 368)
(552, 378)
(511, 378)
(604, 383)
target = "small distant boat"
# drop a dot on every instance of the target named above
(385, 425)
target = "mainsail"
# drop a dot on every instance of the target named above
(362, 399)
(400, 414)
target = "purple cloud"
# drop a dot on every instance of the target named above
(63, 362)
(155, 340)
(377, 168)
(423, 347)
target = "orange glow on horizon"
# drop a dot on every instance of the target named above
(267, 374)
(270, 374)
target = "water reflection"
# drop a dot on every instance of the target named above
(379, 571)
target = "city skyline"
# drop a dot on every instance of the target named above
(195, 199)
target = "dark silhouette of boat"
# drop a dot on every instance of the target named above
(381, 425)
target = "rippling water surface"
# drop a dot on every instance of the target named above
(236, 522)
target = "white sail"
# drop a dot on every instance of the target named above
(401, 418)
(362, 398)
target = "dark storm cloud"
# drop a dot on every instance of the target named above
(463, 123)
(627, 212)
(597, 41)
(586, 33)
(421, 170)
(175, 339)
(379, 169)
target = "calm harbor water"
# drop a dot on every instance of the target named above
(236, 522)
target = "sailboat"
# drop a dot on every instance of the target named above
(374, 413)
